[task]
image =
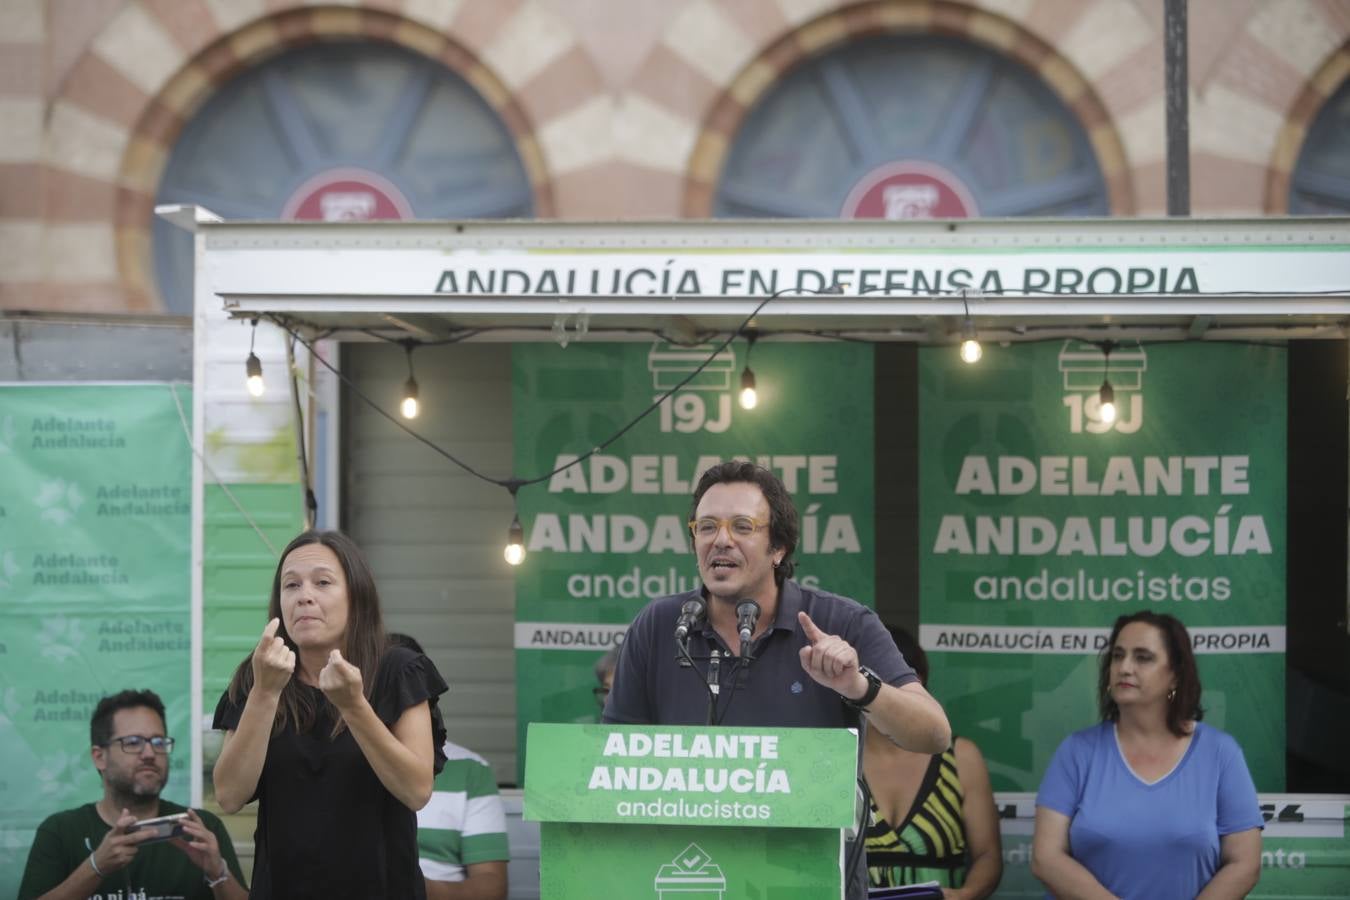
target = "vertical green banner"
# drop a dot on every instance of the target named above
(1040, 523)
(95, 491)
(609, 534)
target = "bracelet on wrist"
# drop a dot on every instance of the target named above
(873, 688)
(221, 878)
(93, 865)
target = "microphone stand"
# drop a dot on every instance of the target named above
(714, 669)
(712, 684)
(713, 675)
(747, 616)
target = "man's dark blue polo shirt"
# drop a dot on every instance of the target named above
(650, 686)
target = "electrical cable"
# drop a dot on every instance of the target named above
(515, 483)
(859, 845)
(702, 679)
(737, 670)
(311, 501)
(187, 433)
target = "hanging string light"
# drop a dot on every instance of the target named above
(749, 398)
(515, 542)
(253, 379)
(514, 551)
(971, 351)
(515, 535)
(1106, 395)
(409, 407)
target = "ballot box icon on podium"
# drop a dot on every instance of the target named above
(691, 875)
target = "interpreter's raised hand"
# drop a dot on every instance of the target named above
(273, 661)
(200, 845)
(831, 661)
(118, 847)
(340, 682)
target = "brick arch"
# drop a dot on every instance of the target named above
(228, 55)
(902, 17)
(1318, 89)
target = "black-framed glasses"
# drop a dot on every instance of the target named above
(740, 526)
(135, 743)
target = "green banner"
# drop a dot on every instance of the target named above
(95, 501)
(684, 862)
(1040, 523)
(688, 813)
(779, 778)
(609, 534)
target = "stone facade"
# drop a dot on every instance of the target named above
(619, 108)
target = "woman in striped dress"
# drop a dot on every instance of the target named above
(932, 817)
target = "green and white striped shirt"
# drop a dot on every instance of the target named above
(464, 823)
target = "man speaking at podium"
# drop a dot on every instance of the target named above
(803, 657)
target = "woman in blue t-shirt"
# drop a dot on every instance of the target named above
(1150, 803)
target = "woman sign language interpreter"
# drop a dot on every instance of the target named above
(330, 729)
(1151, 802)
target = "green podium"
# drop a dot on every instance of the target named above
(675, 813)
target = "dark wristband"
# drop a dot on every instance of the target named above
(873, 688)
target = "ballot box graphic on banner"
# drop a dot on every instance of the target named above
(691, 875)
(682, 813)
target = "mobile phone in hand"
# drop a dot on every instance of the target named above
(164, 828)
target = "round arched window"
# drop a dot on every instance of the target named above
(911, 127)
(338, 131)
(1321, 181)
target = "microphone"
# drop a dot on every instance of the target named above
(692, 614)
(747, 615)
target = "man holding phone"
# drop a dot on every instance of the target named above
(108, 848)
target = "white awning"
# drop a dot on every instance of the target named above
(1016, 279)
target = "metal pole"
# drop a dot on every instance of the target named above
(301, 438)
(1178, 125)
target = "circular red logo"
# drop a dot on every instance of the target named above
(909, 189)
(347, 195)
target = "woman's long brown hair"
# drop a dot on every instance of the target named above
(363, 644)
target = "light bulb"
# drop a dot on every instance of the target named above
(748, 396)
(515, 543)
(254, 381)
(409, 406)
(1106, 397)
(971, 351)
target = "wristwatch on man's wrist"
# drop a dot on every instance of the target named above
(873, 688)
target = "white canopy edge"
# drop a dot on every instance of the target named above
(1017, 279)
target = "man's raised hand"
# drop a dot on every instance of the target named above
(830, 660)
